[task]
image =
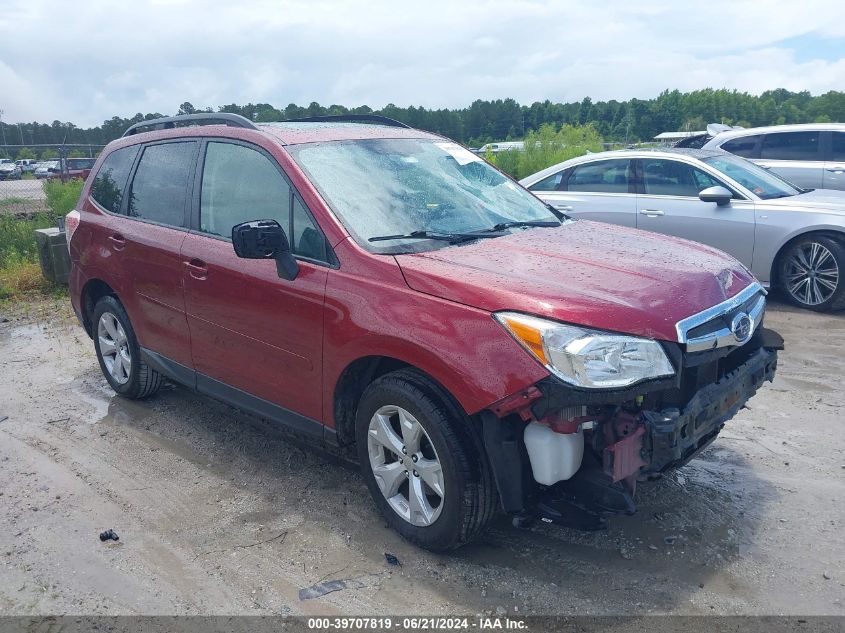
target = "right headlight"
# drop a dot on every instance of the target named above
(587, 358)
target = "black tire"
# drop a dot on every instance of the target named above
(470, 495)
(813, 292)
(142, 380)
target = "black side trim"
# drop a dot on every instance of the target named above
(262, 408)
(173, 370)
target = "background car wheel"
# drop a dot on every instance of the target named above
(422, 462)
(811, 271)
(119, 354)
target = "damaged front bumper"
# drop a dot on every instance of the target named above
(629, 436)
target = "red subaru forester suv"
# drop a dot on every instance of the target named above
(387, 291)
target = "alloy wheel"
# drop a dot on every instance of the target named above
(811, 274)
(405, 465)
(114, 348)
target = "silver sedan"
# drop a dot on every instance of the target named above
(787, 236)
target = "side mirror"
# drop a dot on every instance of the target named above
(265, 239)
(717, 194)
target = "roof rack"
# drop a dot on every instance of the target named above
(350, 118)
(202, 118)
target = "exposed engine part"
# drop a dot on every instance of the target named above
(554, 456)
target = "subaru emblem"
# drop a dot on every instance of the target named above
(741, 327)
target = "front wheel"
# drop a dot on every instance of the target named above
(424, 470)
(119, 353)
(811, 273)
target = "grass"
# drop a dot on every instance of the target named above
(20, 273)
(10, 202)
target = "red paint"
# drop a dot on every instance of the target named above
(192, 300)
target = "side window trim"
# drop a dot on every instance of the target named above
(196, 198)
(124, 204)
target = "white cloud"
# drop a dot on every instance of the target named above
(84, 62)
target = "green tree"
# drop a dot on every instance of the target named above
(26, 153)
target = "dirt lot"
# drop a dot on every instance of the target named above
(218, 513)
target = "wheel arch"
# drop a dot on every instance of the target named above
(354, 380)
(94, 290)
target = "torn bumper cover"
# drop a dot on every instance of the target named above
(670, 438)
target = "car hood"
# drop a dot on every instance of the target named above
(821, 199)
(587, 273)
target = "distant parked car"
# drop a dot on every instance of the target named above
(789, 237)
(26, 164)
(78, 167)
(9, 170)
(810, 155)
(47, 169)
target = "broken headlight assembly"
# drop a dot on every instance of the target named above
(587, 358)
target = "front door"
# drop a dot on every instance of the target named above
(254, 336)
(668, 203)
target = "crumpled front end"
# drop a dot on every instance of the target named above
(572, 456)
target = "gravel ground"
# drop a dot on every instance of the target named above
(219, 513)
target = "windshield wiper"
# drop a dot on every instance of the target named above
(501, 226)
(431, 235)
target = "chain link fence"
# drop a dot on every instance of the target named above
(25, 169)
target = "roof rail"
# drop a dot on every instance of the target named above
(350, 118)
(202, 118)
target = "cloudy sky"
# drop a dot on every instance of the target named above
(86, 60)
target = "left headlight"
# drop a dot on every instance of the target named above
(587, 358)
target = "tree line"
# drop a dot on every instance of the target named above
(505, 119)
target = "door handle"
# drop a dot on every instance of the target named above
(652, 213)
(836, 170)
(563, 207)
(197, 269)
(118, 241)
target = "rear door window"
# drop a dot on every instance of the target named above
(745, 146)
(110, 182)
(791, 146)
(160, 187)
(603, 176)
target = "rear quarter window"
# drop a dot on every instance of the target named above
(745, 146)
(110, 182)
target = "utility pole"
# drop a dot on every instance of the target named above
(20, 129)
(2, 129)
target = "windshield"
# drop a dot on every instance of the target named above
(759, 181)
(391, 187)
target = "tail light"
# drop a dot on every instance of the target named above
(71, 224)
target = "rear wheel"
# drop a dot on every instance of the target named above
(119, 354)
(421, 464)
(811, 272)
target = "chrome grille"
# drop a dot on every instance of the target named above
(722, 325)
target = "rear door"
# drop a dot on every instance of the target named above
(796, 156)
(668, 203)
(833, 176)
(256, 339)
(141, 237)
(600, 190)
